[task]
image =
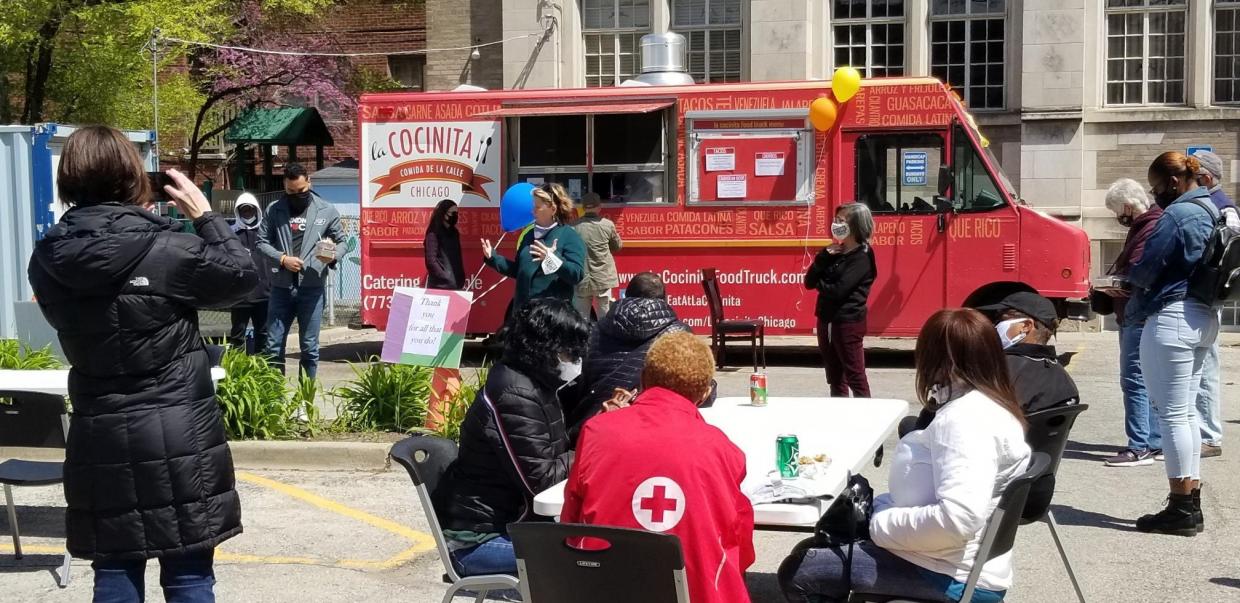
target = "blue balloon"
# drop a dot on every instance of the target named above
(516, 207)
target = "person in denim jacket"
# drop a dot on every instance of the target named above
(1179, 331)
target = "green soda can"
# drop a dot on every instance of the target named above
(787, 454)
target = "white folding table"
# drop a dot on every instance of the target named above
(848, 430)
(54, 381)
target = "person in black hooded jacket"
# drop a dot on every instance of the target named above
(618, 346)
(147, 470)
(513, 441)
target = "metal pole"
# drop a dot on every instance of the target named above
(155, 90)
(331, 300)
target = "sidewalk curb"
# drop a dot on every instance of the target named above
(256, 455)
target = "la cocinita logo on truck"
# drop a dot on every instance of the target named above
(418, 164)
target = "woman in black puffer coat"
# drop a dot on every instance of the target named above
(147, 469)
(513, 441)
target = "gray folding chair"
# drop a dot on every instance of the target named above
(997, 539)
(32, 420)
(427, 458)
(1048, 433)
(633, 565)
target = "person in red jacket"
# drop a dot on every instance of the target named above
(657, 465)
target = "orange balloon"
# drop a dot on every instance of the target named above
(822, 114)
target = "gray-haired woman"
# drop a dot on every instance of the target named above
(842, 274)
(1134, 210)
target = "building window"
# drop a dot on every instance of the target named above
(407, 69)
(1145, 51)
(1227, 51)
(869, 35)
(967, 49)
(613, 29)
(712, 31)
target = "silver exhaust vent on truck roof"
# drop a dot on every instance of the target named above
(663, 61)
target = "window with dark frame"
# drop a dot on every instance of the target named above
(880, 172)
(629, 157)
(1227, 51)
(1145, 51)
(869, 35)
(408, 70)
(612, 34)
(967, 49)
(713, 36)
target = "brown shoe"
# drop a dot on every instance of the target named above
(1208, 451)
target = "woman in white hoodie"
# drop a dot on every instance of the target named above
(945, 480)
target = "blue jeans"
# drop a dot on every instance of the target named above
(1174, 347)
(1209, 399)
(306, 305)
(185, 579)
(494, 556)
(1140, 422)
(812, 575)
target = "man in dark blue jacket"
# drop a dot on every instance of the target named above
(298, 235)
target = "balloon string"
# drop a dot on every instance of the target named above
(806, 258)
(484, 264)
(484, 293)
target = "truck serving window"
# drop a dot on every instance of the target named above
(898, 173)
(622, 157)
(973, 189)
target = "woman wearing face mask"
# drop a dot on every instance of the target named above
(1134, 211)
(945, 480)
(513, 440)
(444, 268)
(1179, 331)
(550, 261)
(842, 274)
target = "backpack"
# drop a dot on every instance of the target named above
(1216, 278)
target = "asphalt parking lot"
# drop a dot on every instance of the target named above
(360, 536)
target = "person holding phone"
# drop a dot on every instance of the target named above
(148, 472)
(298, 235)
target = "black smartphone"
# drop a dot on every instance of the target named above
(158, 180)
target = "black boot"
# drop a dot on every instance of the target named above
(1197, 516)
(1177, 518)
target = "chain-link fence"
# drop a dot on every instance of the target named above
(344, 293)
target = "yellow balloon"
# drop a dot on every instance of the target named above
(845, 83)
(822, 114)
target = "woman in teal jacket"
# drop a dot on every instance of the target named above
(551, 258)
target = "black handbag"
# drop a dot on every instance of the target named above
(847, 520)
(1101, 303)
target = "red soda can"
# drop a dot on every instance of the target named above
(757, 389)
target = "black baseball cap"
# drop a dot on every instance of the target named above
(1028, 303)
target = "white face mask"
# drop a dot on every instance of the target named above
(839, 230)
(1003, 328)
(569, 371)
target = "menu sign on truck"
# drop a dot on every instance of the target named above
(418, 164)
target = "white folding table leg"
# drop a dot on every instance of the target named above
(63, 578)
(17, 539)
(1050, 523)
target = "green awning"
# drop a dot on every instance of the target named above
(286, 126)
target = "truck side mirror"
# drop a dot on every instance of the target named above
(945, 179)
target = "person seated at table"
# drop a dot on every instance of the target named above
(513, 441)
(945, 480)
(657, 465)
(618, 346)
(1025, 323)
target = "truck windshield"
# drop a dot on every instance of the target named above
(973, 189)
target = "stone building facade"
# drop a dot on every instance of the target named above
(1072, 94)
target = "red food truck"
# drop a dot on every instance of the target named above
(724, 176)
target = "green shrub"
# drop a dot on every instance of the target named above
(16, 355)
(257, 401)
(384, 397)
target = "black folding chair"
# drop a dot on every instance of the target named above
(32, 420)
(998, 537)
(1048, 433)
(630, 565)
(427, 458)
